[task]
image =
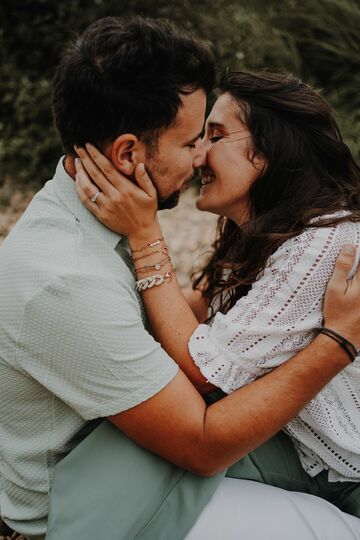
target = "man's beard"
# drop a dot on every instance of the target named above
(173, 199)
(166, 203)
(155, 172)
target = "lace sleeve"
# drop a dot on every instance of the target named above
(278, 316)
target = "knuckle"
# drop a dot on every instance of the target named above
(95, 175)
(107, 168)
(87, 190)
(343, 264)
(118, 198)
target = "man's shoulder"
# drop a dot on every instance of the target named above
(38, 248)
(56, 248)
(44, 222)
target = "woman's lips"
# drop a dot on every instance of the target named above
(207, 179)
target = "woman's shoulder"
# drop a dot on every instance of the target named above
(324, 237)
(337, 225)
(333, 230)
(329, 217)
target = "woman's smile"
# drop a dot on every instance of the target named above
(207, 179)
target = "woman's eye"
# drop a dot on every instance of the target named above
(214, 139)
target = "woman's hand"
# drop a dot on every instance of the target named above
(342, 298)
(121, 205)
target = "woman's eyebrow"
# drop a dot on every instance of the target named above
(214, 125)
(194, 139)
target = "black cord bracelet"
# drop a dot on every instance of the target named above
(344, 343)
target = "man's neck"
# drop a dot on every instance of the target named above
(69, 166)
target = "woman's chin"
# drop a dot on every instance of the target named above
(201, 203)
(204, 205)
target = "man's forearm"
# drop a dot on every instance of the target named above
(176, 424)
(245, 419)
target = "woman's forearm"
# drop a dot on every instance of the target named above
(197, 302)
(172, 320)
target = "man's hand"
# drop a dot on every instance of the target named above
(342, 298)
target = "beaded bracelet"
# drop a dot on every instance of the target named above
(344, 343)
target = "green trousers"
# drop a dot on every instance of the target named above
(109, 487)
(277, 463)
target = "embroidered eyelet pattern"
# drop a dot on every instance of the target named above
(274, 321)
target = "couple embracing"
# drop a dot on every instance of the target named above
(195, 386)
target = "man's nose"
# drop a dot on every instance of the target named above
(200, 154)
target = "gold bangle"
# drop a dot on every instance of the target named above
(156, 266)
(164, 251)
(150, 245)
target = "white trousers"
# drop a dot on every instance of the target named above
(246, 510)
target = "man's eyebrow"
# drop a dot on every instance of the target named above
(192, 141)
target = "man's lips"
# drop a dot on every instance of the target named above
(187, 183)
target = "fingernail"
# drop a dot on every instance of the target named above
(349, 249)
(142, 168)
(89, 146)
(77, 163)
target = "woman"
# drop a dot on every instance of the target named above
(288, 191)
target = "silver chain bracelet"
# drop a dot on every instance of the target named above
(152, 281)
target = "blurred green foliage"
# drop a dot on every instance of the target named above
(319, 41)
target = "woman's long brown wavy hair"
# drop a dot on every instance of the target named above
(310, 172)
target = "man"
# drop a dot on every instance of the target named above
(73, 346)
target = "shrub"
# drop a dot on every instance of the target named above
(318, 41)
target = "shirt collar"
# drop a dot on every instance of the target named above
(65, 190)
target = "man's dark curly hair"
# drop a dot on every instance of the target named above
(126, 76)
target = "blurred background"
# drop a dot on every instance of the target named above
(318, 40)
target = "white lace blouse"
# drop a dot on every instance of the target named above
(274, 321)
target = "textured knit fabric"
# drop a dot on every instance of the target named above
(73, 346)
(273, 322)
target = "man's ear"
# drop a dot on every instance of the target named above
(126, 152)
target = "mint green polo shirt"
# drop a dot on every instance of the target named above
(73, 345)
